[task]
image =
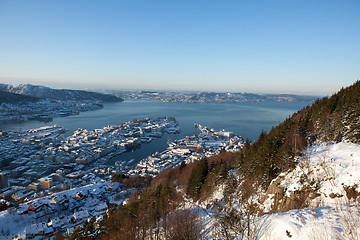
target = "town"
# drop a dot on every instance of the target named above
(59, 183)
(44, 110)
(189, 149)
(44, 160)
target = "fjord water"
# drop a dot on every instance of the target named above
(245, 119)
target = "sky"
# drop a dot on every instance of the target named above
(277, 46)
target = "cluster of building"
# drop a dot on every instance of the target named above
(14, 146)
(86, 147)
(25, 176)
(44, 110)
(41, 161)
(63, 211)
(190, 149)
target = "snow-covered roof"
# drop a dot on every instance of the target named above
(35, 229)
(101, 207)
(81, 214)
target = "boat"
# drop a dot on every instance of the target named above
(146, 140)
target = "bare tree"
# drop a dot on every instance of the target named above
(236, 223)
(184, 225)
(349, 220)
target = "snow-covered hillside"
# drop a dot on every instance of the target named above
(329, 175)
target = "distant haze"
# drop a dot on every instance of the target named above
(299, 47)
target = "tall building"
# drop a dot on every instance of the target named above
(45, 182)
(3, 180)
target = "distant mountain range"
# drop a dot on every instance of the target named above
(212, 97)
(20, 93)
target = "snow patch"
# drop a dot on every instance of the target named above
(328, 167)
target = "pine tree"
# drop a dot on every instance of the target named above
(197, 178)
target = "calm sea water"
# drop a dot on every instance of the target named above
(245, 119)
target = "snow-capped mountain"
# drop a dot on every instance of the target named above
(58, 94)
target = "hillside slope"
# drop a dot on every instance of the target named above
(13, 98)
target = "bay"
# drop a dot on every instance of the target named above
(245, 119)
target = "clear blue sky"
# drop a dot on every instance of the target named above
(273, 46)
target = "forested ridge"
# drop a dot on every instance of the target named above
(330, 119)
(13, 98)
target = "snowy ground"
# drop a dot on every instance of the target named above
(311, 223)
